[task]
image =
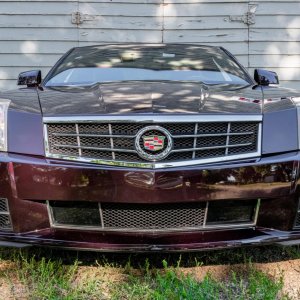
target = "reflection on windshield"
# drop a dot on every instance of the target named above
(92, 75)
(111, 63)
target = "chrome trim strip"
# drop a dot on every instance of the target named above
(227, 138)
(156, 165)
(4, 213)
(78, 140)
(256, 211)
(111, 142)
(46, 140)
(134, 136)
(213, 147)
(95, 135)
(195, 140)
(95, 228)
(259, 138)
(205, 215)
(212, 134)
(95, 148)
(162, 118)
(50, 214)
(134, 151)
(101, 215)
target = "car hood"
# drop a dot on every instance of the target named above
(150, 97)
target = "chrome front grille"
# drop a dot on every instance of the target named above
(113, 141)
(137, 217)
(5, 222)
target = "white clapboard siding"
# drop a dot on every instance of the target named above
(38, 8)
(27, 60)
(35, 47)
(120, 36)
(202, 1)
(280, 8)
(122, 22)
(207, 22)
(34, 34)
(206, 36)
(274, 40)
(8, 73)
(195, 9)
(35, 21)
(39, 34)
(285, 74)
(279, 48)
(200, 23)
(290, 84)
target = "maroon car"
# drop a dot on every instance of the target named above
(148, 148)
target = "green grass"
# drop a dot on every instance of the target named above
(45, 278)
(174, 285)
(52, 274)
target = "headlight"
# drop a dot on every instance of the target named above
(4, 103)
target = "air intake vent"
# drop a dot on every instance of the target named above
(5, 222)
(152, 217)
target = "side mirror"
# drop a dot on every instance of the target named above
(264, 77)
(30, 78)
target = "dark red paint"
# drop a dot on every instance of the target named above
(28, 182)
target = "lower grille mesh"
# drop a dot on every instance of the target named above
(5, 223)
(153, 216)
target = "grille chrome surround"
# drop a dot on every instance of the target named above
(110, 140)
(5, 221)
(151, 217)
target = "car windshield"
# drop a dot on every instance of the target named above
(111, 63)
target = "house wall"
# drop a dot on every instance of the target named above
(34, 34)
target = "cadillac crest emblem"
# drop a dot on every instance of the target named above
(154, 142)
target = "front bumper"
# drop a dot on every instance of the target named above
(29, 182)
